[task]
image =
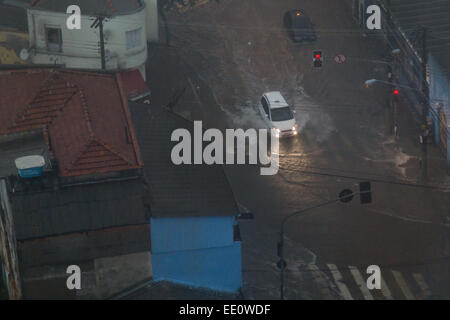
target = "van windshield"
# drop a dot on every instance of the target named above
(282, 114)
(301, 23)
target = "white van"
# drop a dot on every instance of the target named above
(278, 114)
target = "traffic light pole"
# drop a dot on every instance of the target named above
(282, 263)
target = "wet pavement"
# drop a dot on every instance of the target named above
(222, 57)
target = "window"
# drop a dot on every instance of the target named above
(265, 106)
(54, 39)
(287, 20)
(282, 114)
(134, 38)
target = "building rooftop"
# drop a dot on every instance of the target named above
(21, 145)
(41, 211)
(183, 190)
(88, 7)
(413, 15)
(84, 117)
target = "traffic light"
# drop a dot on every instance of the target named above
(365, 192)
(317, 59)
(395, 94)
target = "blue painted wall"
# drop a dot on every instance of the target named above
(439, 92)
(172, 234)
(197, 251)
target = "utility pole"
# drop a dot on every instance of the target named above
(346, 195)
(425, 105)
(98, 23)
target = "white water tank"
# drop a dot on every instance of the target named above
(30, 166)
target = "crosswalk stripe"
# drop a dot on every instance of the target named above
(402, 284)
(361, 283)
(422, 284)
(338, 279)
(320, 280)
(385, 290)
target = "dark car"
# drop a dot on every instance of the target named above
(299, 26)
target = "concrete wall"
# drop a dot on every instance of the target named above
(115, 274)
(111, 260)
(152, 20)
(100, 278)
(197, 251)
(8, 247)
(83, 246)
(80, 47)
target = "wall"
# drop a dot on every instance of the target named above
(197, 251)
(440, 97)
(80, 47)
(111, 260)
(83, 246)
(115, 274)
(100, 278)
(8, 244)
(152, 20)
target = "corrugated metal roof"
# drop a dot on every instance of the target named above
(412, 15)
(79, 208)
(183, 190)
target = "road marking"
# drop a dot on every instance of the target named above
(426, 292)
(361, 283)
(338, 279)
(385, 290)
(402, 284)
(320, 280)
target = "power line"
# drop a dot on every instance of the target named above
(359, 178)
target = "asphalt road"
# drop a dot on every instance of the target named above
(225, 56)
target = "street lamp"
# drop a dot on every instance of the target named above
(370, 82)
(345, 196)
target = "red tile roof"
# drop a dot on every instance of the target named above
(85, 117)
(134, 85)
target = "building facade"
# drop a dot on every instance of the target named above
(89, 207)
(197, 251)
(407, 28)
(195, 238)
(124, 32)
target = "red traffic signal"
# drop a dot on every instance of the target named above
(396, 92)
(317, 59)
